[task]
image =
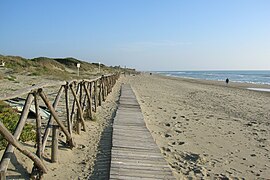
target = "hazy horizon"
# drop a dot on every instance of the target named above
(146, 35)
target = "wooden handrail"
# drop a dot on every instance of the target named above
(90, 93)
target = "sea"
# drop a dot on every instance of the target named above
(254, 77)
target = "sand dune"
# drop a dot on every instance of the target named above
(206, 129)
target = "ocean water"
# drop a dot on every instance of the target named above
(255, 77)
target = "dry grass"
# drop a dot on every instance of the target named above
(57, 68)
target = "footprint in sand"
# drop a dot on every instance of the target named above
(178, 131)
(166, 149)
(181, 143)
(173, 143)
(209, 116)
(167, 124)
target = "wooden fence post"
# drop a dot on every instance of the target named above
(95, 95)
(85, 96)
(69, 123)
(74, 102)
(45, 99)
(80, 111)
(107, 84)
(12, 140)
(103, 87)
(50, 122)
(54, 153)
(89, 101)
(38, 127)
(79, 108)
(99, 92)
(9, 149)
(36, 172)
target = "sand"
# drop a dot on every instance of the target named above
(207, 129)
(204, 129)
(78, 163)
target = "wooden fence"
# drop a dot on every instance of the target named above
(81, 99)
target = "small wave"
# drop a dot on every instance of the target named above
(240, 77)
(252, 82)
(259, 89)
(180, 72)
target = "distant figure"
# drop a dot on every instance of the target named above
(150, 73)
(227, 81)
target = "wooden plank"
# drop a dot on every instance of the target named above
(139, 170)
(143, 164)
(127, 151)
(134, 153)
(125, 177)
(131, 159)
(137, 155)
(124, 133)
(138, 173)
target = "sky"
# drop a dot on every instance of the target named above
(142, 34)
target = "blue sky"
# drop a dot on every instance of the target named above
(142, 34)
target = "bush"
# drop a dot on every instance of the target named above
(10, 78)
(10, 118)
(35, 74)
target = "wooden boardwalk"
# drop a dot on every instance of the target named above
(134, 153)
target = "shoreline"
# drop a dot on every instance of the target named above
(232, 84)
(259, 89)
(217, 80)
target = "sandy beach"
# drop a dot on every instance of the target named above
(207, 129)
(199, 70)
(204, 129)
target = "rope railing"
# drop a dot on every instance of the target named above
(81, 99)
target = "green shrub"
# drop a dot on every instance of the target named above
(35, 74)
(10, 78)
(10, 118)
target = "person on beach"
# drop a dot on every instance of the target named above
(227, 81)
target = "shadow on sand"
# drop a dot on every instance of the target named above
(103, 161)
